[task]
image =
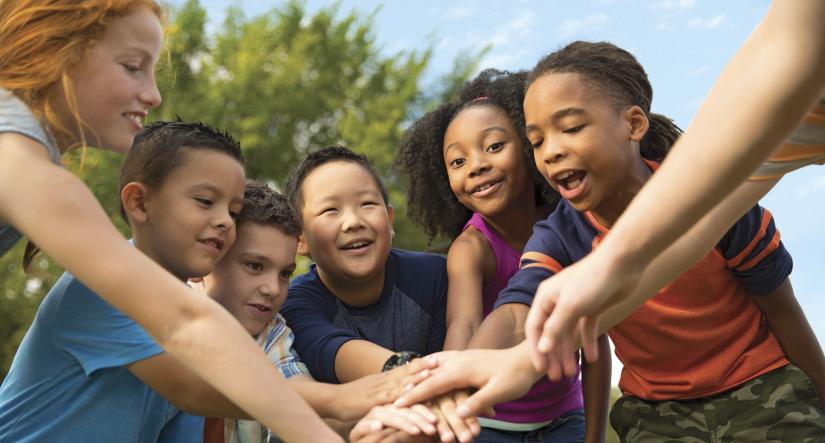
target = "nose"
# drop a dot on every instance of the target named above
(272, 287)
(550, 151)
(351, 220)
(224, 221)
(149, 94)
(479, 164)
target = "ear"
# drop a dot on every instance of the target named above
(303, 248)
(391, 216)
(133, 198)
(637, 121)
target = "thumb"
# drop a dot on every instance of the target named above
(482, 401)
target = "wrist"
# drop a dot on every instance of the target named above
(399, 359)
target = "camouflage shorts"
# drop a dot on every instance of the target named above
(780, 406)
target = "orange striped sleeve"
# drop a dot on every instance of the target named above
(539, 260)
(768, 249)
(766, 220)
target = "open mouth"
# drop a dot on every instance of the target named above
(356, 245)
(213, 243)
(135, 118)
(486, 188)
(260, 308)
(570, 180)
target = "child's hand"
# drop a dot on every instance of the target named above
(566, 310)
(359, 396)
(450, 425)
(498, 374)
(390, 435)
(415, 421)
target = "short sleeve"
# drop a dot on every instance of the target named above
(542, 258)
(96, 334)
(310, 315)
(754, 252)
(183, 428)
(16, 117)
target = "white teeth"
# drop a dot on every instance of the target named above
(136, 118)
(574, 184)
(356, 245)
(564, 175)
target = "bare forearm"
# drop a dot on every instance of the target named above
(596, 391)
(459, 335)
(789, 325)
(503, 328)
(778, 72)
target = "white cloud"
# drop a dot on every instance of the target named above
(699, 71)
(574, 26)
(518, 27)
(675, 4)
(505, 59)
(819, 183)
(663, 25)
(460, 11)
(707, 23)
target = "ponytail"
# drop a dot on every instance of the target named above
(660, 137)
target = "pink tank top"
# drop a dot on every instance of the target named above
(546, 400)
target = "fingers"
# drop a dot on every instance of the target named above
(414, 420)
(483, 400)
(460, 397)
(460, 426)
(438, 383)
(445, 433)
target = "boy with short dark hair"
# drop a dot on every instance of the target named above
(87, 372)
(362, 307)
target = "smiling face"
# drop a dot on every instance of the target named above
(583, 146)
(484, 160)
(188, 223)
(114, 83)
(346, 223)
(251, 281)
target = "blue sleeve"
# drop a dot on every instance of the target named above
(317, 339)
(183, 428)
(754, 252)
(439, 311)
(98, 335)
(543, 256)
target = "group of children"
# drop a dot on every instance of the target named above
(526, 172)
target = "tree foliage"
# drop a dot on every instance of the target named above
(283, 82)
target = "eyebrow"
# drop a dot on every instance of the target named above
(483, 133)
(558, 115)
(212, 188)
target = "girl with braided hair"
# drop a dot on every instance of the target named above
(473, 179)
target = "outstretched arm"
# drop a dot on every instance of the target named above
(759, 98)
(58, 213)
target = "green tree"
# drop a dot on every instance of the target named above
(283, 82)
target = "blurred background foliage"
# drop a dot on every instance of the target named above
(283, 82)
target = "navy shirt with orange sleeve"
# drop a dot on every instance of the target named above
(700, 335)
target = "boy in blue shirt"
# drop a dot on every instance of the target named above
(87, 372)
(363, 306)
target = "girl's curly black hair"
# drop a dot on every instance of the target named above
(430, 201)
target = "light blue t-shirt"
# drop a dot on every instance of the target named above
(68, 381)
(15, 116)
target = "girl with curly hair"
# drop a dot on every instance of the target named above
(472, 179)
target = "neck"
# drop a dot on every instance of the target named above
(608, 212)
(515, 224)
(142, 245)
(361, 292)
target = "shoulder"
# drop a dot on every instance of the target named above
(17, 119)
(419, 259)
(471, 249)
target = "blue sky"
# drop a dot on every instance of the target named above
(683, 45)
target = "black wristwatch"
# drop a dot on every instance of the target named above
(399, 359)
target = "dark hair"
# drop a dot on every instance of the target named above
(265, 206)
(159, 149)
(430, 201)
(619, 76)
(295, 181)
